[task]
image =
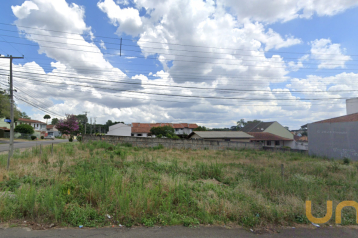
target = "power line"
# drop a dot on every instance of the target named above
(191, 56)
(184, 87)
(163, 43)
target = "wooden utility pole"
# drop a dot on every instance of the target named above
(11, 145)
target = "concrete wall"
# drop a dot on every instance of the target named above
(277, 129)
(297, 145)
(334, 140)
(119, 129)
(169, 143)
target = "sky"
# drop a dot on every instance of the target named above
(206, 62)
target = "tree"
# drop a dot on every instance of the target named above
(24, 115)
(47, 117)
(54, 121)
(200, 128)
(24, 128)
(166, 131)
(5, 107)
(241, 124)
(69, 125)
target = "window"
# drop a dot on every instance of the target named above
(268, 142)
(132, 134)
(227, 139)
(139, 134)
(277, 142)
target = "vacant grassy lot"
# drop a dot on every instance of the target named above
(96, 184)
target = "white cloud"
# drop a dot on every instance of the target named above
(103, 46)
(330, 55)
(285, 10)
(128, 18)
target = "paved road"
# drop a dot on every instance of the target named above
(178, 231)
(28, 144)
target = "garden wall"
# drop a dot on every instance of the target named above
(170, 143)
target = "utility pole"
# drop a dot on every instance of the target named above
(94, 125)
(11, 145)
(91, 125)
(86, 121)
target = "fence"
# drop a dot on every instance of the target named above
(285, 149)
(170, 143)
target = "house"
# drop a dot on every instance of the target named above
(119, 129)
(143, 129)
(52, 131)
(273, 134)
(3, 131)
(269, 140)
(37, 125)
(4, 124)
(334, 138)
(234, 136)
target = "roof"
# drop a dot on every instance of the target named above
(4, 129)
(145, 127)
(347, 118)
(221, 134)
(49, 127)
(300, 138)
(257, 126)
(29, 120)
(258, 136)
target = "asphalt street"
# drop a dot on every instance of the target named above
(28, 144)
(178, 232)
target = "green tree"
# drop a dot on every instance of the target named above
(24, 115)
(166, 131)
(5, 107)
(24, 128)
(200, 128)
(47, 117)
(54, 121)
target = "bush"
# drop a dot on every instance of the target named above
(79, 138)
(42, 137)
(346, 161)
(24, 129)
(71, 139)
(33, 137)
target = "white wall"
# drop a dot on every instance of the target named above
(119, 129)
(352, 105)
(297, 145)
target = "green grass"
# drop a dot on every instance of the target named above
(82, 183)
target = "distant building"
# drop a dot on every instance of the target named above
(37, 125)
(52, 131)
(233, 136)
(335, 138)
(119, 129)
(143, 129)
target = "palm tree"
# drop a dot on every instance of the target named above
(47, 117)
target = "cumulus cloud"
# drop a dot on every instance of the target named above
(329, 55)
(214, 58)
(128, 18)
(103, 46)
(285, 10)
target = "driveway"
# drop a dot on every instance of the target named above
(28, 144)
(178, 231)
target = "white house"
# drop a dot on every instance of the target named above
(37, 125)
(119, 129)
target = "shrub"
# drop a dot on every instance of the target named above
(346, 161)
(24, 128)
(33, 137)
(79, 138)
(42, 137)
(71, 139)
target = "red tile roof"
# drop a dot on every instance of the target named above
(4, 128)
(347, 118)
(29, 120)
(49, 126)
(258, 136)
(145, 127)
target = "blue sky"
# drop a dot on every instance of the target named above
(178, 56)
